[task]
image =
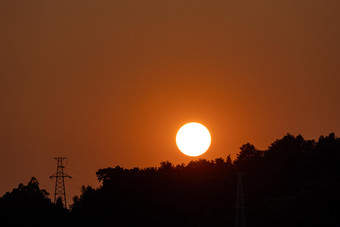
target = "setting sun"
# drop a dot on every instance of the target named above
(193, 139)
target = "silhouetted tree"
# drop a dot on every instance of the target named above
(229, 161)
(295, 182)
(166, 168)
(59, 202)
(28, 205)
(248, 157)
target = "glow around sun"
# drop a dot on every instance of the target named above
(193, 139)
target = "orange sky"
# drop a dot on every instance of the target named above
(108, 83)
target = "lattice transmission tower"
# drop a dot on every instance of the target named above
(60, 176)
(240, 214)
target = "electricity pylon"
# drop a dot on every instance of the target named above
(59, 191)
(240, 215)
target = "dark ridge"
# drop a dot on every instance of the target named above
(295, 182)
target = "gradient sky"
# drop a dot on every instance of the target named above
(109, 83)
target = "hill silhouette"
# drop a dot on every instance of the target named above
(28, 205)
(295, 182)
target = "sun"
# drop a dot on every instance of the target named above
(193, 139)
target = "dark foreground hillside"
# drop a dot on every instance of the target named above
(28, 205)
(295, 182)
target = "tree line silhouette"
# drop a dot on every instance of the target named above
(295, 182)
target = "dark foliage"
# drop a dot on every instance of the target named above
(28, 205)
(295, 182)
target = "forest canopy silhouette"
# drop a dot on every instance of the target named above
(295, 182)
